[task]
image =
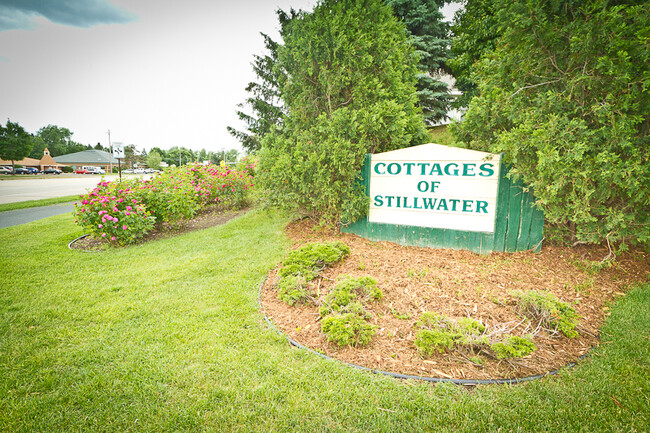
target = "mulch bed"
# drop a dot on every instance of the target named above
(459, 284)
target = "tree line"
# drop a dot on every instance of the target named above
(17, 144)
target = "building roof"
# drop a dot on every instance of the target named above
(47, 158)
(25, 162)
(87, 157)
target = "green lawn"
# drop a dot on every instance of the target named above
(168, 337)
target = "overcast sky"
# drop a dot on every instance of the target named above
(156, 73)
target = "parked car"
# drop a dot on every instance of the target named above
(5, 170)
(32, 170)
(52, 171)
(128, 171)
(20, 170)
(89, 170)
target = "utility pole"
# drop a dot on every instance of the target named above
(110, 157)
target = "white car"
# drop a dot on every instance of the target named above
(5, 170)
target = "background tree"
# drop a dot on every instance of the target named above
(15, 142)
(171, 157)
(350, 89)
(154, 159)
(131, 156)
(475, 32)
(565, 96)
(58, 140)
(430, 38)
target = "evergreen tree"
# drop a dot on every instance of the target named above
(430, 38)
(475, 32)
(266, 99)
(350, 90)
(565, 95)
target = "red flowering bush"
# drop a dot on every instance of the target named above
(123, 213)
(112, 212)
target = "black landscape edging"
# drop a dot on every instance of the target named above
(78, 239)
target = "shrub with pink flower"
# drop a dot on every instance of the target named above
(104, 214)
(124, 212)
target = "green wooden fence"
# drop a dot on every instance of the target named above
(518, 224)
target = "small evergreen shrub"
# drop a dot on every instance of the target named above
(312, 258)
(293, 289)
(303, 265)
(345, 320)
(513, 347)
(362, 289)
(348, 329)
(552, 312)
(438, 333)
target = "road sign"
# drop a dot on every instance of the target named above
(118, 150)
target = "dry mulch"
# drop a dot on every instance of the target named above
(209, 217)
(459, 284)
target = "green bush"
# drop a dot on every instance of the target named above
(362, 289)
(112, 212)
(312, 258)
(513, 346)
(305, 264)
(124, 212)
(568, 107)
(548, 309)
(348, 329)
(67, 169)
(438, 333)
(351, 91)
(345, 320)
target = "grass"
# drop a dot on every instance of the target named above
(37, 203)
(442, 135)
(168, 336)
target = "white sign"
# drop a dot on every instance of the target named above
(118, 150)
(432, 185)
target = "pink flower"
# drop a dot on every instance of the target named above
(100, 226)
(112, 238)
(115, 219)
(124, 227)
(103, 235)
(127, 213)
(129, 208)
(85, 202)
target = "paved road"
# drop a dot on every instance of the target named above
(15, 190)
(22, 216)
(48, 186)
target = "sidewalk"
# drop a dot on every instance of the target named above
(23, 216)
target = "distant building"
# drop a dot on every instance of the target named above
(44, 163)
(94, 158)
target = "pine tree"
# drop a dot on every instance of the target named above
(266, 99)
(430, 38)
